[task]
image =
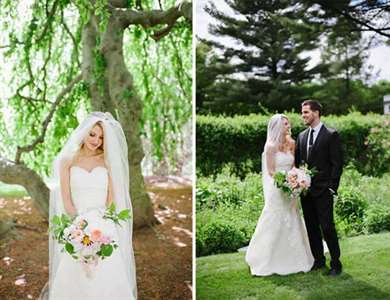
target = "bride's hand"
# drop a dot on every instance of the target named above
(71, 211)
(294, 204)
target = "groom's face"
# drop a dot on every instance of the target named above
(308, 115)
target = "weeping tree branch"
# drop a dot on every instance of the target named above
(72, 37)
(13, 173)
(50, 18)
(156, 17)
(45, 124)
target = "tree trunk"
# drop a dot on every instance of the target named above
(116, 94)
(4, 228)
(13, 173)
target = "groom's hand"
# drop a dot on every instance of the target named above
(332, 191)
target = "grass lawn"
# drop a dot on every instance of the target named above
(11, 190)
(366, 275)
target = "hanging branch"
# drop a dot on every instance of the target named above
(46, 122)
(72, 37)
(50, 18)
(156, 17)
(365, 23)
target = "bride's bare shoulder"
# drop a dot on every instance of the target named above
(290, 141)
(270, 147)
(66, 162)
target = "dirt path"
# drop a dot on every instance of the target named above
(163, 253)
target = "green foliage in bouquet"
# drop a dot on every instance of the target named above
(57, 227)
(60, 223)
(106, 250)
(280, 181)
(111, 214)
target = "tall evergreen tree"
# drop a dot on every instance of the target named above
(267, 40)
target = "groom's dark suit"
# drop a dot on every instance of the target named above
(326, 157)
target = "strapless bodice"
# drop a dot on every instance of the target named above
(88, 189)
(283, 161)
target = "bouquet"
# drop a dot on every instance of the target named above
(87, 242)
(294, 182)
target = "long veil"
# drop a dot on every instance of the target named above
(274, 137)
(115, 147)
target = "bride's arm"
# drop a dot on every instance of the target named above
(110, 197)
(270, 152)
(292, 149)
(65, 187)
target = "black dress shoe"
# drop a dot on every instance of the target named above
(334, 272)
(317, 267)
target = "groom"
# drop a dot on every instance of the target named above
(320, 148)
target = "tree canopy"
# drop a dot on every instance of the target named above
(65, 58)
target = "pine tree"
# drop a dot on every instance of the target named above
(267, 40)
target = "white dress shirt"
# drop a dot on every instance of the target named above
(315, 134)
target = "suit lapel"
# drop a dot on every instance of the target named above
(304, 145)
(317, 142)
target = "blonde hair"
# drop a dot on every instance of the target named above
(289, 141)
(102, 147)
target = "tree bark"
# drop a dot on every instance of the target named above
(116, 94)
(13, 173)
(129, 107)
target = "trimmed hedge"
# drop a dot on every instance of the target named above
(238, 142)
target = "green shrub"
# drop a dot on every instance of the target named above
(378, 153)
(239, 141)
(227, 189)
(218, 236)
(238, 213)
(228, 208)
(350, 205)
(350, 209)
(224, 189)
(378, 219)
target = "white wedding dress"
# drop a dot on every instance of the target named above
(106, 280)
(279, 244)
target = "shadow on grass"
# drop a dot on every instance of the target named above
(316, 285)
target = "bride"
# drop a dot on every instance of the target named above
(279, 244)
(90, 173)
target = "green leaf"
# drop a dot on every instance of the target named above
(106, 250)
(124, 214)
(56, 220)
(69, 248)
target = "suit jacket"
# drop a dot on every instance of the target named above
(326, 157)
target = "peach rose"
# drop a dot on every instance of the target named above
(96, 235)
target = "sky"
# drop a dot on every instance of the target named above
(379, 57)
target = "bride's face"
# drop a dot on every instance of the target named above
(286, 126)
(94, 139)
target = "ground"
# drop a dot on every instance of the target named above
(163, 253)
(366, 275)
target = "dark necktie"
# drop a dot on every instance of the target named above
(311, 138)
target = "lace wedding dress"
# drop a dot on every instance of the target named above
(106, 280)
(279, 244)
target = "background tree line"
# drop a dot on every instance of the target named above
(266, 67)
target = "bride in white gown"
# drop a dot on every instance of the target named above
(279, 244)
(90, 173)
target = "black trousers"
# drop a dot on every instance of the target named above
(318, 215)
